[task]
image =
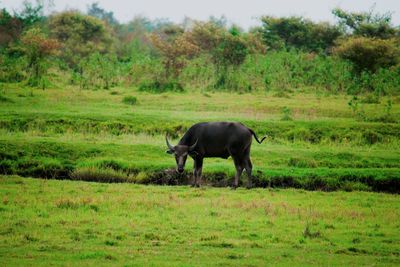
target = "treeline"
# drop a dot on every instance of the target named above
(358, 54)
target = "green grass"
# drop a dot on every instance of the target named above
(49, 222)
(93, 135)
(55, 133)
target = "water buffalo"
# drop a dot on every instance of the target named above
(215, 139)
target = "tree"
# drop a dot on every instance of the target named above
(38, 49)
(31, 14)
(175, 47)
(368, 54)
(231, 51)
(10, 28)
(81, 35)
(227, 48)
(299, 33)
(96, 11)
(367, 24)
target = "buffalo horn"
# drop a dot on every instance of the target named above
(168, 144)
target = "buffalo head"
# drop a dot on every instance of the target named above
(181, 152)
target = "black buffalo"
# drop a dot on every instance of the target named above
(215, 139)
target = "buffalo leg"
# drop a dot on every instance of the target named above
(239, 170)
(198, 169)
(249, 167)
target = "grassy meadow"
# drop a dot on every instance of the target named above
(50, 222)
(314, 141)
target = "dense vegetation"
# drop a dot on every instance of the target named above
(359, 54)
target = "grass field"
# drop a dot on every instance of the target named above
(314, 141)
(49, 222)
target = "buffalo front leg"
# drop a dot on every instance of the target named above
(198, 169)
(239, 170)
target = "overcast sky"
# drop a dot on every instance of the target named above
(243, 13)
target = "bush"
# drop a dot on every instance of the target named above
(368, 54)
(12, 67)
(160, 87)
(370, 99)
(129, 100)
(372, 137)
(98, 71)
(5, 99)
(287, 114)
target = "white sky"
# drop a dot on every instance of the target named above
(243, 13)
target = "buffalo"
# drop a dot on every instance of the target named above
(215, 140)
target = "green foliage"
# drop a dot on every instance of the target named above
(231, 51)
(175, 49)
(368, 54)
(31, 14)
(12, 67)
(10, 28)
(38, 49)
(80, 35)
(96, 11)
(287, 114)
(297, 32)
(368, 24)
(129, 100)
(161, 86)
(370, 99)
(285, 71)
(99, 71)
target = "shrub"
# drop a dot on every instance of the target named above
(5, 99)
(371, 137)
(98, 71)
(160, 87)
(299, 134)
(368, 54)
(129, 100)
(287, 114)
(370, 99)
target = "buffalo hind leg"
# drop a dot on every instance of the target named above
(198, 169)
(249, 167)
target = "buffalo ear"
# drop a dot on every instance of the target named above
(169, 151)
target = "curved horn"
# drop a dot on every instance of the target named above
(168, 144)
(193, 146)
